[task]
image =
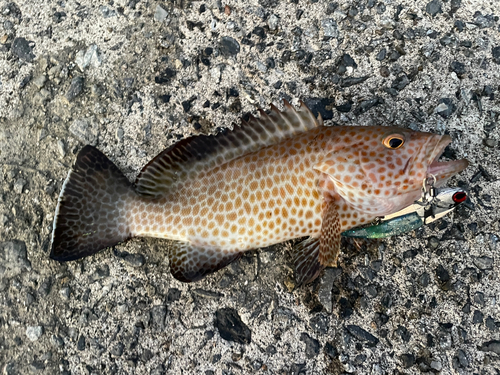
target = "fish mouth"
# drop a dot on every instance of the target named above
(443, 170)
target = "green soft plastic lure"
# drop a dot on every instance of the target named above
(433, 205)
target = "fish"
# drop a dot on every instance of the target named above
(280, 176)
(424, 211)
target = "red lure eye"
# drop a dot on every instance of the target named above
(459, 197)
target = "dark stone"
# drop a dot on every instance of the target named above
(80, 345)
(231, 327)
(490, 324)
(479, 298)
(166, 76)
(462, 358)
(135, 260)
(344, 62)
(384, 71)
(491, 346)
(380, 319)
(386, 300)
(259, 31)
(424, 279)
(270, 63)
(403, 333)
(58, 17)
(330, 350)
(165, 98)
(459, 25)
(312, 345)
(366, 105)
(277, 85)
(117, 350)
(75, 88)
(146, 355)
(298, 14)
(455, 5)
(458, 68)
(173, 295)
(351, 81)
(158, 314)
(382, 54)
(299, 55)
(410, 254)
(186, 104)
(319, 106)
(319, 323)
(483, 263)
(478, 317)
(407, 360)
(229, 46)
(22, 49)
(346, 309)
(362, 335)
(442, 274)
(260, 47)
(346, 107)
(397, 34)
(298, 368)
(330, 8)
(484, 21)
(394, 55)
(434, 7)
(400, 82)
(495, 52)
(286, 56)
(451, 107)
(247, 42)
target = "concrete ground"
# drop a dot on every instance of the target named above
(134, 76)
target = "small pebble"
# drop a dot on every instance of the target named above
(23, 49)
(228, 46)
(434, 7)
(19, 185)
(160, 14)
(39, 81)
(135, 260)
(61, 148)
(34, 332)
(312, 345)
(75, 88)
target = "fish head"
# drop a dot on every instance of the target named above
(383, 169)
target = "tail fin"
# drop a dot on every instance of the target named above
(91, 212)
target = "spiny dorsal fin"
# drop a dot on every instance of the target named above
(190, 156)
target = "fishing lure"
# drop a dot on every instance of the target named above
(433, 205)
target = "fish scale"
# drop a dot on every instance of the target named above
(278, 177)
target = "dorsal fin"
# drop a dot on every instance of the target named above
(190, 156)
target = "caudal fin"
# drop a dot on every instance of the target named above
(91, 212)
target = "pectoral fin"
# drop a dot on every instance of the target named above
(191, 263)
(330, 236)
(314, 254)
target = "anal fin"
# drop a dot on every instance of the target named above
(306, 260)
(190, 263)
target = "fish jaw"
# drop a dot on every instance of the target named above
(443, 170)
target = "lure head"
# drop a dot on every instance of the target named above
(381, 169)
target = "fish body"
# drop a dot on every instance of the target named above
(278, 177)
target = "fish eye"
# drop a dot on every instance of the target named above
(394, 141)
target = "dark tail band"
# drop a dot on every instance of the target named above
(91, 212)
